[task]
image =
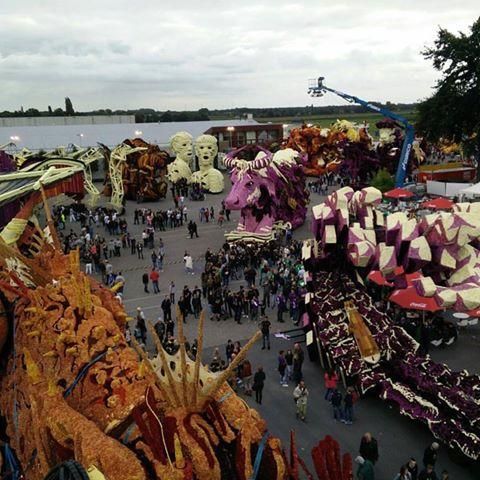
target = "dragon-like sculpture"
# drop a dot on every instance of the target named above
(72, 387)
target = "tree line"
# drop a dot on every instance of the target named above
(149, 115)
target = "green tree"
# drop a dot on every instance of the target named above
(383, 180)
(453, 110)
(69, 107)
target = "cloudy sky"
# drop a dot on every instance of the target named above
(217, 53)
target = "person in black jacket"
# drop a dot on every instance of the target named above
(258, 384)
(369, 448)
(430, 455)
(145, 282)
(412, 468)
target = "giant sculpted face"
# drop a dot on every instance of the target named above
(211, 179)
(206, 149)
(182, 145)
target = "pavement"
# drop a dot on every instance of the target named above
(398, 437)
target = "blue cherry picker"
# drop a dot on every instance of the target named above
(316, 88)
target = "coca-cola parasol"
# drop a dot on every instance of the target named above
(439, 203)
(398, 194)
(409, 299)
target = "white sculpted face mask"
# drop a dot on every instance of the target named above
(206, 153)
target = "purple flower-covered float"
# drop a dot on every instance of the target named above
(269, 191)
(353, 235)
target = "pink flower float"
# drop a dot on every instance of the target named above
(269, 191)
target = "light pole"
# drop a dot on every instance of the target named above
(231, 130)
(80, 136)
(138, 133)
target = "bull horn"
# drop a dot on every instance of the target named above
(230, 162)
(261, 162)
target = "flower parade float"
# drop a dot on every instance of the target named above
(352, 239)
(344, 146)
(135, 170)
(269, 191)
(72, 387)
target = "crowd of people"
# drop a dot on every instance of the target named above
(272, 285)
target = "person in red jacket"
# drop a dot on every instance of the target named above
(331, 380)
(154, 276)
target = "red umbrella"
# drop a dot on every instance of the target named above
(439, 203)
(398, 193)
(409, 299)
(377, 277)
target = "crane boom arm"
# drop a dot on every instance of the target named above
(320, 89)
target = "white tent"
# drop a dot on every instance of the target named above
(471, 191)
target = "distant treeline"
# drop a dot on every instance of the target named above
(147, 115)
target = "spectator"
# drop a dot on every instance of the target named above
(348, 407)
(298, 357)
(187, 258)
(167, 308)
(154, 276)
(430, 455)
(258, 384)
(404, 474)
(247, 376)
(265, 329)
(141, 326)
(289, 360)
(331, 380)
(369, 448)
(336, 400)
(282, 368)
(300, 394)
(365, 469)
(428, 473)
(229, 350)
(412, 468)
(145, 282)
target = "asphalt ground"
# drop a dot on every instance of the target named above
(398, 437)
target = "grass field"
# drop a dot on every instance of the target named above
(327, 120)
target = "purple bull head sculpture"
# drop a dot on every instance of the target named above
(267, 190)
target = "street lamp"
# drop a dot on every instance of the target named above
(14, 138)
(138, 133)
(231, 130)
(80, 136)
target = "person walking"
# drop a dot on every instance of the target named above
(331, 380)
(154, 276)
(258, 384)
(430, 455)
(403, 474)
(140, 250)
(428, 473)
(247, 376)
(289, 360)
(336, 400)
(300, 395)
(348, 407)
(365, 469)
(145, 282)
(166, 308)
(265, 329)
(369, 448)
(171, 291)
(298, 357)
(188, 260)
(141, 327)
(282, 368)
(412, 468)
